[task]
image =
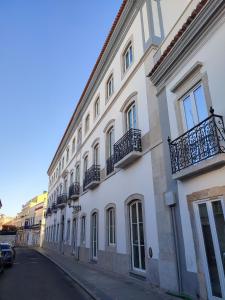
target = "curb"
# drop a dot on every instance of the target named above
(77, 281)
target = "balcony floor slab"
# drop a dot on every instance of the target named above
(128, 159)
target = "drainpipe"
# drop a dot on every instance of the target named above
(170, 200)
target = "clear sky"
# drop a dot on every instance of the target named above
(47, 51)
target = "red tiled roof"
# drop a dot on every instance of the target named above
(93, 71)
(177, 37)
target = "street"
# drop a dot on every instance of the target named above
(34, 277)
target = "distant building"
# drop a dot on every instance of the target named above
(4, 219)
(30, 221)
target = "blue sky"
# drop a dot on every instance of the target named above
(47, 51)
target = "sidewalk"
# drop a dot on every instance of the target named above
(102, 285)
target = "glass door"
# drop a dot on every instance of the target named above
(94, 246)
(210, 218)
(74, 238)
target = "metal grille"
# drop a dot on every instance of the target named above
(54, 208)
(199, 143)
(131, 141)
(110, 165)
(92, 174)
(74, 189)
(61, 199)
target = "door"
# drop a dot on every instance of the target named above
(74, 238)
(94, 240)
(137, 236)
(210, 218)
(62, 235)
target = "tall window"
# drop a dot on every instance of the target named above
(194, 108)
(87, 123)
(67, 154)
(137, 236)
(131, 117)
(97, 108)
(77, 173)
(73, 145)
(111, 226)
(96, 154)
(59, 167)
(110, 141)
(63, 163)
(85, 164)
(127, 57)
(79, 137)
(71, 177)
(68, 231)
(57, 233)
(109, 87)
(83, 229)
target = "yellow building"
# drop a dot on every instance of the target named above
(30, 221)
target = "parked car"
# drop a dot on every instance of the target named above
(1, 262)
(7, 254)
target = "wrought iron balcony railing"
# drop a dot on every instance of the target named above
(92, 177)
(74, 190)
(203, 141)
(61, 200)
(54, 207)
(130, 142)
(110, 165)
(48, 211)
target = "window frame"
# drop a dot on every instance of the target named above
(87, 124)
(111, 240)
(125, 52)
(83, 230)
(97, 112)
(109, 92)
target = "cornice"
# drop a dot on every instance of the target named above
(197, 31)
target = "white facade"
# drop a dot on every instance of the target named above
(122, 89)
(200, 184)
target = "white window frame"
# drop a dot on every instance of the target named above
(97, 108)
(87, 123)
(111, 216)
(130, 57)
(130, 109)
(96, 154)
(109, 86)
(83, 230)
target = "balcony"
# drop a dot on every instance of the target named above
(48, 212)
(54, 207)
(92, 177)
(61, 201)
(110, 165)
(199, 149)
(74, 191)
(128, 148)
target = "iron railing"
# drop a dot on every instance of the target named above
(54, 208)
(131, 141)
(48, 211)
(110, 165)
(91, 175)
(74, 189)
(61, 199)
(203, 141)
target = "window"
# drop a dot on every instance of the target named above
(97, 108)
(63, 163)
(77, 173)
(67, 154)
(57, 233)
(68, 231)
(73, 145)
(85, 164)
(59, 167)
(83, 225)
(109, 87)
(127, 57)
(131, 119)
(79, 137)
(87, 123)
(111, 226)
(96, 154)
(110, 141)
(71, 177)
(137, 236)
(194, 108)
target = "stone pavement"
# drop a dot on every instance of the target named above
(104, 285)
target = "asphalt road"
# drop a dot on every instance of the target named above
(34, 277)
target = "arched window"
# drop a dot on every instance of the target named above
(131, 117)
(127, 57)
(73, 145)
(79, 137)
(85, 164)
(96, 154)
(71, 177)
(97, 108)
(137, 235)
(87, 123)
(111, 226)
(94, 236)
(109, 87)
(77, 179)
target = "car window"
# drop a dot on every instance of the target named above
(4, 247)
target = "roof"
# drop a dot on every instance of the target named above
(178, 36)
(93, 71)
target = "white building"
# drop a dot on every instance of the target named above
(189, 83)
(111, 192)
